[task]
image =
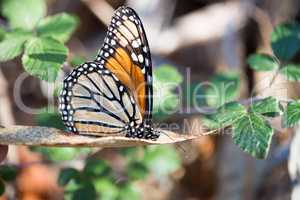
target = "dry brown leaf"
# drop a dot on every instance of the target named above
(44, 136)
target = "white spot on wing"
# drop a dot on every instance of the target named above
(141, 58)
(134, 57)
(134, 44)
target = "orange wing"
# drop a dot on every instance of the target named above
(127, 56)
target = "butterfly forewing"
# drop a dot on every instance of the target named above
(127, 54)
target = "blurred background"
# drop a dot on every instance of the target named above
(191, 42)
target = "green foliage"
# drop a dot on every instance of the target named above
(2, 33)
(59, 27)
(43, 38)
(43, 58)
(105, 183)
(253, 135)
(285, 40)
(269, 107)
(166, 78)
(291, 116)
(291, 72)
(23, 14)
(2, 187)
(85, 191)
(8, 172)
(251, 132)
(223, 88)
(77, 60)
(49, 118)
(66, 175)
(228, 114)
(161, 160)
(12, 44)
(128, 191)
(61, 153)
(94, 168)
(262, 62)
(106, 188)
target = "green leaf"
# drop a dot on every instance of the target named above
(49, 118)
(43, 58)
(166, 78)
(137, 170)
(162, 160)
(85, 192)
(66, 175)
(262, 62)
(128, 192)
(2, 33)
(8, 172)
(2, 187)
(59, 27)
(96, 168)
(228, 114)
(291, 72)
(285, 40)
(106, 188)
(223, 88)
(209, 122)
(291, 116)
(23, 14)
(12, 45)
(58, 153)
(269, 107)
(168, 74)
(253, 135)
(77, 60)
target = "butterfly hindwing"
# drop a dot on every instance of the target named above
(95, 102)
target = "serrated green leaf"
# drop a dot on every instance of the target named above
(161, 159)
(59, 27)
(209, 122)
(66, 175)
(23, 14)
(253, 135)
(223, 88)
(43, 58)
(12, 45)
(262, 62)
(228, 114)
(291, 72)
(285, 40)
(291, 115)
(268, 106)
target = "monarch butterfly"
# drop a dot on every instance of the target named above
(113, 93)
